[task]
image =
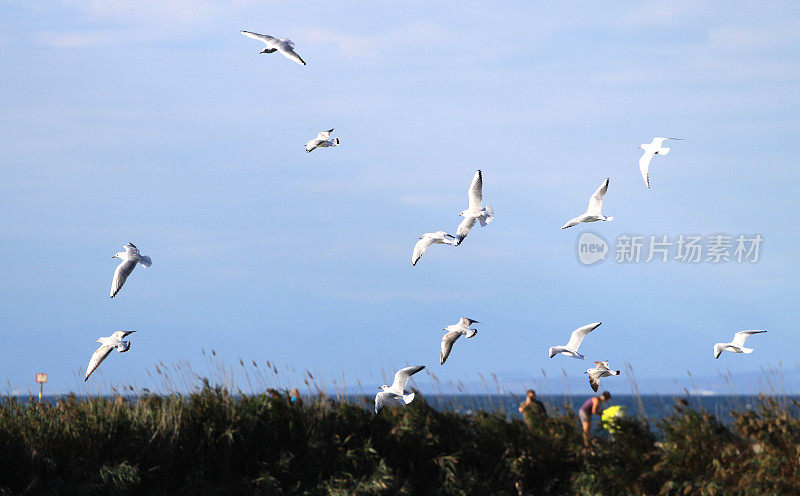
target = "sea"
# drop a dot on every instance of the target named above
(651, 408)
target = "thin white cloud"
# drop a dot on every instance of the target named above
(410, 37)
(755, 37)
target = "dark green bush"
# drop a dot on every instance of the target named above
(211, 442)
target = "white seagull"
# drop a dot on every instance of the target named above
(475, 212)
(600, 370)
(737, 345)
(454, 332)
(130, 257)
(650, 149)
(282, 45)
(427, 239)
(323, 139)
(106, 345)
(397, 389)
(575, 339)
(593, 213)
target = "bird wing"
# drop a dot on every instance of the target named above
(121, 334)
(381, 399)
(419, 249)
(447, 345)
(264, 38)
(401, 377)
(323, 135)
(578, 334)
(131, 249)
(97, 358)
(644, 166)
(467, 322)
(740, 337)
(602, 365)
(286, 51)
(596, 201)
(476, 191)
(445, 238)
(594, 380)
(464, 227)
(313, 144)
(121, 273)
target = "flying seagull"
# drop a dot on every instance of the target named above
(650, 149)
(323, 139)
(427, 239)
(397, 389)
(454, 332)
(130, 257)
(737, 345)
(282, 45)
(107, 344)
(475, 212)
(593, 213)
(575, 339)
(600, 370)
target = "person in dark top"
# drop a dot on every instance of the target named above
(590, 407)
(532, 408)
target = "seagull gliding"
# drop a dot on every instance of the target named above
(593, 213)
(282, 45)
(130, 257)
(107, 344)
(475, 212)
(651, 149)
(737, 345)
(454, 332)
(600, 370)
(575, 339)
(397, 389)
(427, 239)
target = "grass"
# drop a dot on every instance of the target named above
(215, 442)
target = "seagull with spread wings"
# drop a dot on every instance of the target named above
(476, 212)
(650, 150)
(397, 389)
(600, 370)
(575, 340)
(737, 345)
(454, 332)
(323, 139)
(107, 344)
(282, 45)
(593, 213)
(428, 239)
(130, 257)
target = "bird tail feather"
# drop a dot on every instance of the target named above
(145, 261)
(617, 372)
(335, 141)
(662, 151)
(408, 398)
(747, 350)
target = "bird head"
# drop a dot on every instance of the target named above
(384, 387)
(462, 213)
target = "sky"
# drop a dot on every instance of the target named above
(157, 123)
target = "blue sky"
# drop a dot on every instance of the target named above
(162, 125)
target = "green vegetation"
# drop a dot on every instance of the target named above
(211, 442)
